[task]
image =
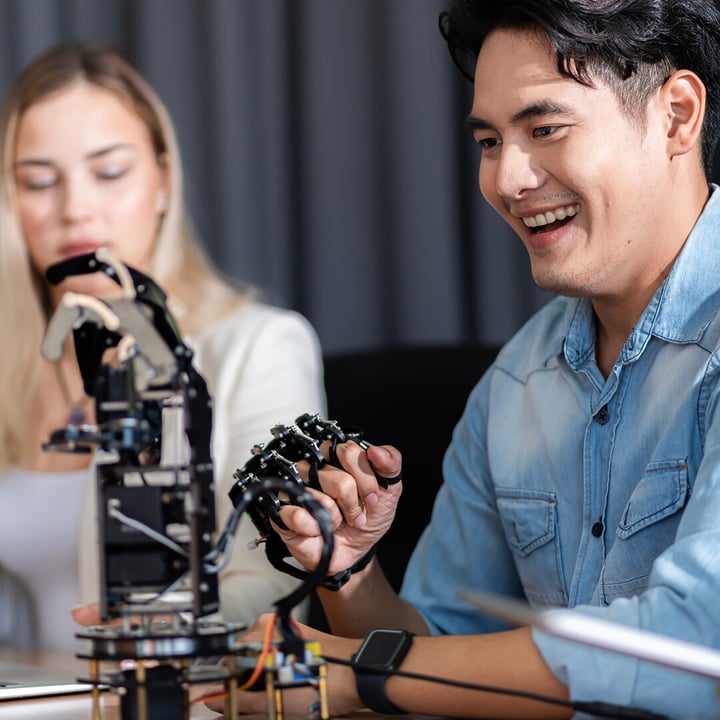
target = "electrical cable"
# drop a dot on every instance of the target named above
(597, 708)
(262, 658)
(299, 496)
(211, 564)
(116, 514)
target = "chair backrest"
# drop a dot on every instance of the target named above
(410, 397)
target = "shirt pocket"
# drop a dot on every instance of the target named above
(647, 527)
(529, 521)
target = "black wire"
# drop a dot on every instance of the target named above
(300, 496)
(599, 709)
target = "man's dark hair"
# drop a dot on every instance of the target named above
(632, 45)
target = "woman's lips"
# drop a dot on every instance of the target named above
(79, 248)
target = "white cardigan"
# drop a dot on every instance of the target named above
(263, 366)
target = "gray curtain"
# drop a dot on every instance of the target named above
(326, 157)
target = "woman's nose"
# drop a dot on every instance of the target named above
(76, 200)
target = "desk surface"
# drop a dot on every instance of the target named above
(68, 707)
(80, 707)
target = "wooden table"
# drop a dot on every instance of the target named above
(80, 707)
(68, 707)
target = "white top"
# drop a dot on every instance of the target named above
(39, 546)
(263, 366)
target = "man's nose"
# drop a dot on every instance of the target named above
(516, 172)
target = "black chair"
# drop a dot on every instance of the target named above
(410, 397)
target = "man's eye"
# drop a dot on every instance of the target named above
(488, 143)
(545, 130)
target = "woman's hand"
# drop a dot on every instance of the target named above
(87, 615)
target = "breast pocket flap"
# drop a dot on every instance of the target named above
(528, 518)
(661, 492)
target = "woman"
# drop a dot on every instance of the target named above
(90, 160)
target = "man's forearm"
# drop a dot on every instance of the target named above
(507, 660)
(368, 601)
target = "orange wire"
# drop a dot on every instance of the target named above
(259, 667)
(209, 696)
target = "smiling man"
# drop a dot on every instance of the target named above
(603, 196)
(585, 470)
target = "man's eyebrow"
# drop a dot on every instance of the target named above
(539, 109)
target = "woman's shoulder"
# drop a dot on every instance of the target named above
(249, 324)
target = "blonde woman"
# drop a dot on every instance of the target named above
(90, 160)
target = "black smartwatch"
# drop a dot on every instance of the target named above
(381, 651)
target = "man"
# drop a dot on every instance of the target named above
(585, 471)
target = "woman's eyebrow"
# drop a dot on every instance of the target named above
(94, 154)
(108, 149)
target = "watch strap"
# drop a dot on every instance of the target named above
(372, 667)
(371, 688)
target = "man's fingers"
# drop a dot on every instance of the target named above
(355, 486)
(348, 492)
(300, 521)
(386, 461)
(378, 467)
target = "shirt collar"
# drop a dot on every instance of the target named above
(683, 301)
(679, 311)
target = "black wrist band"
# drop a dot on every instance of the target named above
(371, 689)
(381, 653)
(338, 580)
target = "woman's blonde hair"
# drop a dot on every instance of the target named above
(197, 293)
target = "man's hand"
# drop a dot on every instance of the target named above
(361, 510)
(342, 692)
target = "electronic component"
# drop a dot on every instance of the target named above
(156, 511)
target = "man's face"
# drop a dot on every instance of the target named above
(584, 186)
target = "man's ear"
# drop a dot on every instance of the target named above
(683, 97)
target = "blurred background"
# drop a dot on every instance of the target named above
(325, 155)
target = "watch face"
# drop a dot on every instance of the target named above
(383, 648)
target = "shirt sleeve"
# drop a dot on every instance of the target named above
(464, 545)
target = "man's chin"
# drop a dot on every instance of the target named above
(558, 285)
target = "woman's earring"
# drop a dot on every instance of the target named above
(163, 205)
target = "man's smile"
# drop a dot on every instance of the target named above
(556, 217)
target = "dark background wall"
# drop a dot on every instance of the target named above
(326, 157)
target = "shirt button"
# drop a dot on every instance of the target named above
(597, 529)
(602, 415)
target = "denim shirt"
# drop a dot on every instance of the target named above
(570, 489)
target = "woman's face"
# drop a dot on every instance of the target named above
(87, 177)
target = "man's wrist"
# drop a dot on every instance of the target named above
(340, 579)
(380, 654)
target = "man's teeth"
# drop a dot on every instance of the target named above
(551, 216)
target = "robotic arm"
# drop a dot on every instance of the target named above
(156, 520)
(156, 506)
